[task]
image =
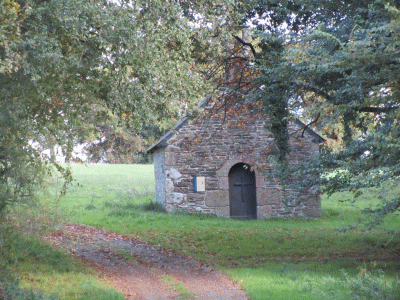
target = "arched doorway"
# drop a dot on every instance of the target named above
(242, 192)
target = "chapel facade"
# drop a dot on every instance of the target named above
(205, 165)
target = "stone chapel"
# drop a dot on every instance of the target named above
(204, 165)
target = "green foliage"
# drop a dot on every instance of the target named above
(335, 63)
(68, 68)
(118, 143)
(39, 216)
(11, 16)
(372, 285)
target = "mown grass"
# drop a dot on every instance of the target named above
(118, 198)
(95, 185)
(221, 241)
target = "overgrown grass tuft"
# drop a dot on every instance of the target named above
(153, 206)
(183, 291)
(372, 285)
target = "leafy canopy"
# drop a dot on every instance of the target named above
(335, 63)
(65, 65)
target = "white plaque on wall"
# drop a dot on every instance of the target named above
(199, 184)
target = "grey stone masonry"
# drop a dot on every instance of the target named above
(210, 145)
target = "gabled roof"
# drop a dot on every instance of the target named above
(316, 137)
(162, 142)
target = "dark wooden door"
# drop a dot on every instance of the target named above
(242, 192)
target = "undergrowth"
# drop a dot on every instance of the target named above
(372, 285)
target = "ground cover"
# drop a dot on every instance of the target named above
(117, 197)
(144, 271)
(291, 258)
(339, 280)
(33, 269)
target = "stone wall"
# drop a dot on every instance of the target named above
(210, 146)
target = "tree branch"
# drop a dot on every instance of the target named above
(317, 91)
(308, 125)
(246, 44)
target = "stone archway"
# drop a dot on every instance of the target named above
(242, 192)
(223, 187)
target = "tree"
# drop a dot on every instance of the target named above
(117, 142)
(336, 63)
(61, 59)
(11, 17)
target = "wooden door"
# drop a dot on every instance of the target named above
(242, 192)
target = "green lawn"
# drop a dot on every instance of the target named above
(307, 255)
(338, 280)
(112, 196)
(271, 259)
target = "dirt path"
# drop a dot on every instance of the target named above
(144, 271)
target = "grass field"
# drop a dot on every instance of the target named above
(298, 251)
(271, 259)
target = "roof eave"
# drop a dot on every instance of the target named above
(162, 142)
(315, 136)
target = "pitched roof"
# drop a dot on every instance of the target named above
(316, 137)
(162, 142)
